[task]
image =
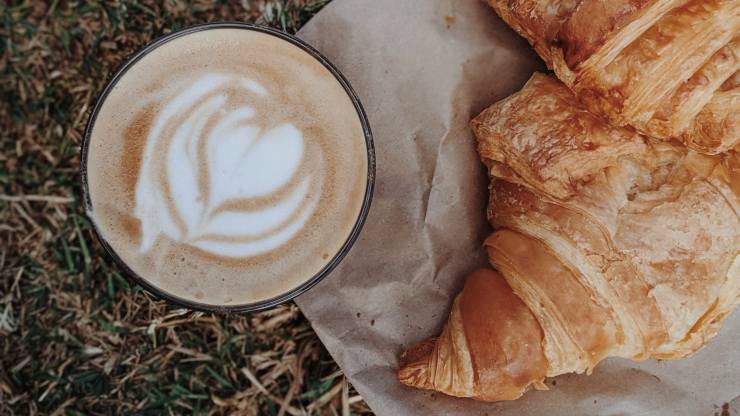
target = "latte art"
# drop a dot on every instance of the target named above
(226, 167)
(207, 165)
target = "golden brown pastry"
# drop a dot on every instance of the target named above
(606, 245)
(477, 356)
(667, 68)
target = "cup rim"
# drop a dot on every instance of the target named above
(246, 307)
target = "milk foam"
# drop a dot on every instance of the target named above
(226, 167)
(243, 163)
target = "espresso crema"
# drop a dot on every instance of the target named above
(226, 166)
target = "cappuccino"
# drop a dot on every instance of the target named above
(227, 166)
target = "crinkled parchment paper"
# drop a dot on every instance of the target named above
(422, 69)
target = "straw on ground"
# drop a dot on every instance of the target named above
(75, 336)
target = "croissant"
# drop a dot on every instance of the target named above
(667, 68)
(607, 244)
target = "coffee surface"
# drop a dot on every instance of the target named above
(226, 166)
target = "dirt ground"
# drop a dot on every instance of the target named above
(75, 336)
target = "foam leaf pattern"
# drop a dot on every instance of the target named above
(212, 179)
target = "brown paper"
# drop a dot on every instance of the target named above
(422, 69)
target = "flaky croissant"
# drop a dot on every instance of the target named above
(667, 68)
(606, 245)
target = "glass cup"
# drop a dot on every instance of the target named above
(331, 263)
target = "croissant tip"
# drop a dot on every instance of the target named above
(418, 352)
(414, 365)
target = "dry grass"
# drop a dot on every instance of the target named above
(75, 336)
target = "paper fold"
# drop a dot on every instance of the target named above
(423, 69)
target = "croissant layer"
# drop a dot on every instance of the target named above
(491, 349)
(663, 67)
(606, 244)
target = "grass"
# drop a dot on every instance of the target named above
(76, 337)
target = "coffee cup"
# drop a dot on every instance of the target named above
(227, 167)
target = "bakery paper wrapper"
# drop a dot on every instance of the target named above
(423, 69)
